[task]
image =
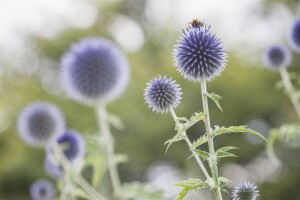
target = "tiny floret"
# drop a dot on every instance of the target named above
(94, 69)
(162, 93)
(295, 35)
(199, 54)
(53, 168)
(277, 57)
(72, 145)
(39, 123)
(42, 190)
(245, 191)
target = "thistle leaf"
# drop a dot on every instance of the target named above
(176, 138)
(202, 154)
(196, 117)
(215, 97)
(191, 184)
(203, 139)
(236, 129)
(223, 152)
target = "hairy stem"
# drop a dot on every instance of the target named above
(202, 167)
(109, 148)
(213, 166)
(290, 89)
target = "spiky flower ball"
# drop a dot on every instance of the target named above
(53, 168)
(277, 57)
(72, 145)
(39, 123)
(245, 191)
(94, 69)
(295, 35)
(42, 190)
(162, 93)
(199, 53)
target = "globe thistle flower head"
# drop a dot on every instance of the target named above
(42, 190)
(295, 35)
(94, 69)
(39, 123)
(53, 168)
(277, 57)
(245, 191)
(162, 93)
(199, 54)
(72, 145)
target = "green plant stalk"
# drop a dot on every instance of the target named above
(213, 167)
(108, 142)
(290, 89)
(202, 167)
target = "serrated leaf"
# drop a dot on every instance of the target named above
(223, 182)
(182, 193)
(223, 152)
(176, 138)
(191, 184)
(196, 117)
(203, 139)
(202, 154)
(236, 129)
(215, 97)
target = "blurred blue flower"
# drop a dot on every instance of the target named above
(72, 145)
(39, 123)
(162, 93)
(295, 35)
(199, 54)
(42, 190)
(276, 57)
(94, 69)
(52, 168)
(245, 191)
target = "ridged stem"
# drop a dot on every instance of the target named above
(213, 166)
(197, 158)
(108, 142)
(290, 89)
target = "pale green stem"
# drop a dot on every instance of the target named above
(108, 142)
(214, 169)
(79, 179)
(202, 167)
(290, 89)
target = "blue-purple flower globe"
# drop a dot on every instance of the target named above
(40, 123)
(72, 145)
(42, 190)
(277, 57)
(162, 94)
(245, 191)
(94, 69)
(295, 35)
(53, 168)
(199, 54)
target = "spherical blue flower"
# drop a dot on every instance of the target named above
(42, 190)
(52, 168)
(199, 54)
(39, 123)
(72, 145)
(277, 57)
(162, 93)
(94, 69)
(245, 191)
(295, 35)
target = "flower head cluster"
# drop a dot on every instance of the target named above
(162, 93)
(199, 54)
(52, 168)
(72, 145)
(295, 35)
(39, 123)
(277, 56)
(93, 70)
(245, 191)
(42, 190)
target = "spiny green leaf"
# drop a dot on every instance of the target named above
(236, 129)
(176, 138)
(202, 154)
(182, 193)
(203, 139)
(196, 117)
(223, 152)
(215, 97)
(223, 182)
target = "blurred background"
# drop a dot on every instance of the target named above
(34, 34)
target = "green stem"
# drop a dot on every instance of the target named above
(290, 89)
(213, 166)
(202, 167)
(109, 148)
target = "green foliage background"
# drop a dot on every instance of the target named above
(249, 93)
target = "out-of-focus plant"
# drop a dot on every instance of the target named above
(199, 56)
